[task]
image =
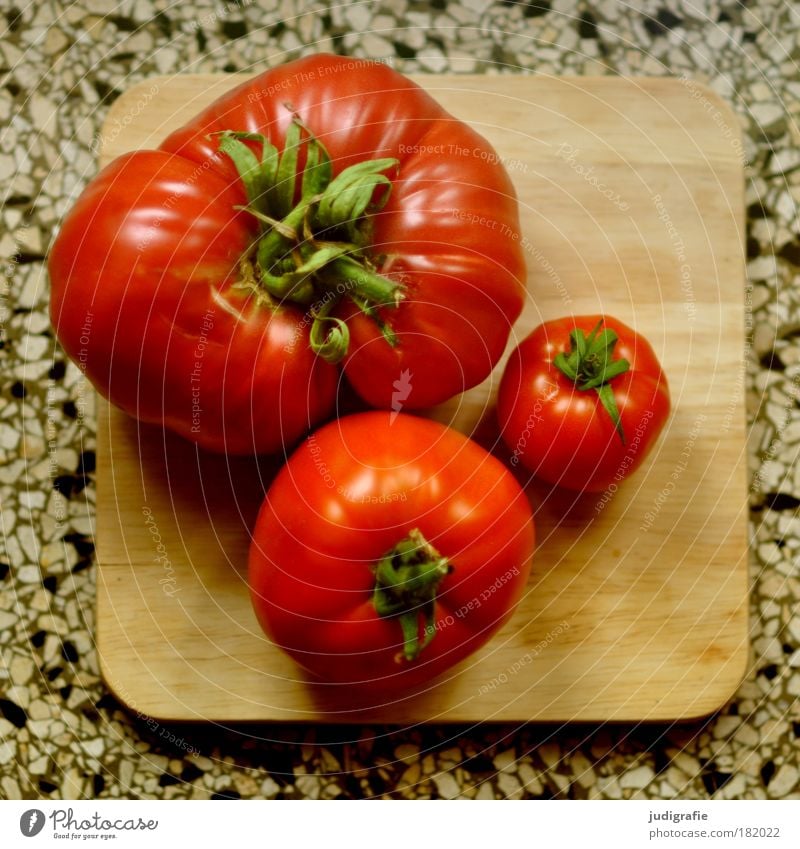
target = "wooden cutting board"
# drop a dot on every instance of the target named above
(631, 194)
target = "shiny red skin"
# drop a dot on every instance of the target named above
(155, 241)
(564, 435)
(143, 300)
(323, 526)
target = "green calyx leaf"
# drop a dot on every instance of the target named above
(315, 230)
(590, 365)
(406, 580)
(258, 176)
(329, 337)
(329, 343)
(349, 197)
(385, 328)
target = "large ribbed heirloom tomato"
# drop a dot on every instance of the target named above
(327, 211)
(389, 548)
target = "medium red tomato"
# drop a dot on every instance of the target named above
(582, 401)
(388, 548)
(328, 210)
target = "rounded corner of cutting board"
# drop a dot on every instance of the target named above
(122, 689)
(725, 690)
(121, 113)
(716, 694)
(118, 688)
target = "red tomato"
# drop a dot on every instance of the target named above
(388, 549)
(327, 204)
(582, 401)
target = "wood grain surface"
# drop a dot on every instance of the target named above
(631, 195)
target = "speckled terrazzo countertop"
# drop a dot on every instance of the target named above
(62, 735)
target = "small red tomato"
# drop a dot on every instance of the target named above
(388, 548)
(582, 401)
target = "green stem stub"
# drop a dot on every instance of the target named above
(590, 364)
(315, 230)
(406, 581)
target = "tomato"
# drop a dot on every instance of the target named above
(582, 402)
(327, 211)
(145, 300)
(388, 548)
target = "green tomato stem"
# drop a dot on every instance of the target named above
(313, 248)
(590, 365)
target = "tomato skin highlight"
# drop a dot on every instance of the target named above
(564, 435)
(150, 256)
(347, 495)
